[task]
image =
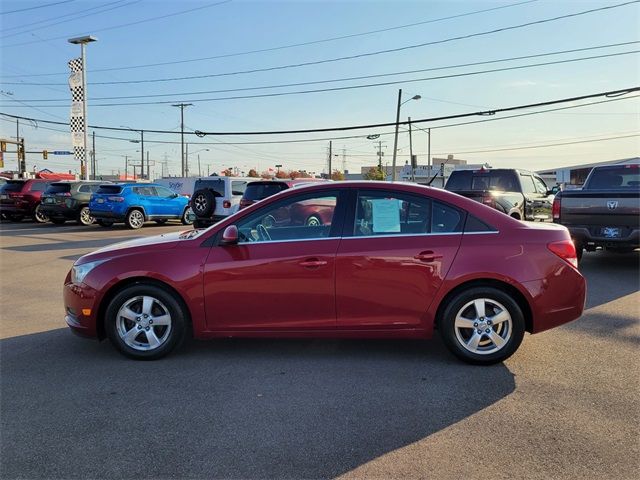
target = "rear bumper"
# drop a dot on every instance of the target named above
(584, 236)
(80, 303)
(102, 215)
(557, 299)
(57, 211)
(24, 209)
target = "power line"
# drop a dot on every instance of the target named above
(351, 87)
(73, 15)
(138, 22)
(344, 79)
(313, 42)
(611, 93)
(34, 8)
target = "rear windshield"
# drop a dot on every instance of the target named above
(13, 186)
(623, 176)
(215, 185)
(260, 191)
(58, 188)
(489, 180)
(109, 189)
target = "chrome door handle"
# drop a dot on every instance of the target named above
(427, 256)
(313, 263)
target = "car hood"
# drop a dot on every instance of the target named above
(164, 242)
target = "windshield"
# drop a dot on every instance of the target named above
(58, 188)
(483, 180)
(13, 186)
(611, 178)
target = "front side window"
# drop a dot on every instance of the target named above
(163, 192)
(303, 217)
(391, 213)
(540, 185)
(527, 184)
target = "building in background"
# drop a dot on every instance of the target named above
(576, 175)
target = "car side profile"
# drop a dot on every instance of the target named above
(136, 203)
(388, 261)
(69, 200)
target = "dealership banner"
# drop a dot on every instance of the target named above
(76, 118)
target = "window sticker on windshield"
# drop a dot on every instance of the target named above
(385, 215)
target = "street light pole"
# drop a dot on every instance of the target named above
(82, 41)
(413, 172)
(142, 155)
(395, 137)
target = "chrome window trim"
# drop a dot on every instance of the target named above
(290, 241)
(492, 232)
(403, 235)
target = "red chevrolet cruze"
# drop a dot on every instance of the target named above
(387, 261)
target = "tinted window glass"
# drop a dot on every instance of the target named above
(260, 191)
(527, 184)
(164, 192)
(89, 188)
(540, 185)
(58, 188)
(474, 224)
(446, 219)
(109, 189)
(38, 186)
(459, 181)
(623, 176)
(502, 181)
(215, 185)
(390, 213)
(238, 188)
(302, 217)
(12, 186)
(144, 191)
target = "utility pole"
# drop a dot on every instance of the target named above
(429, 150)
(186, 161)
(182, 106)
(330, 155)
(126, 167)
(199, 170)
(148, 166)
(344, 159)
(93, 154)
(413, 172)
(142, 154)
(395, 137)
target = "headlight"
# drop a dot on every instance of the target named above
(79, 272)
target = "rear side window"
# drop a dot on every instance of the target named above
(39, 186)
(623, 176)
(446, 219)
(527, 184)
(58, 188)
(144, 191)
(391, 213)
(260, 191)
(474, 225)
(459, 181)
(215, 185)
(89, 188)
(109, 189)
(13, 186)
(238, 188)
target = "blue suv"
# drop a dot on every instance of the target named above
(135, 203)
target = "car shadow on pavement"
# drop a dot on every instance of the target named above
(227, 408)
(599, 266)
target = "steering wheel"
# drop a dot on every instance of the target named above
(263, 233)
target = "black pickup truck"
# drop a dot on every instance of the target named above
(605, 212)
(518, 193)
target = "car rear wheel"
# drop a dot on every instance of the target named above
(135, 219)
(145, 322)
(39, 216)
(203, 202)
(482, 325)
(84, 217)
(105, 223)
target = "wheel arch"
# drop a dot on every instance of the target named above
(127, 282)
(517, 295)
(137, 207)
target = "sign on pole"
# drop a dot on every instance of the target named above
(76, 119)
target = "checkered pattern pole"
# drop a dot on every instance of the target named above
(77, 120)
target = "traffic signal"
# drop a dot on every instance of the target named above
(45, 154)
(3, 146)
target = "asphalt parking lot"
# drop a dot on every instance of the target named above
(566, 405)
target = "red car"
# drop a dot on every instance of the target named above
(21, 198)
(392, 261)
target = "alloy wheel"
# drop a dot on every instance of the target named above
(483, 326)
(39, 216)
(143, 323)
(85, 217)
(136, 219)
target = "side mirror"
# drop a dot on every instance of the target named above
(230, 235)
(175, 195)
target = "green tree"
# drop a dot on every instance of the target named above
(374, 173)
(253, 173)
(337, 175)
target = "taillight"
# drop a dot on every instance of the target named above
(116, 199)
(226, 204)
(489, 201)
(244, 203)
(555, 209)
(566, 250)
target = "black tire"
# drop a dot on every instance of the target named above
(58, 221)
(105, 223)
(114, 325)
(38, 216)
(186, 216)
(135, 219)
(15, 218)
(161, 221)
(203, 203)
(453, 338)
(84, 217)
(579, 251)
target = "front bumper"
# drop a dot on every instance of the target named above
(81, 307)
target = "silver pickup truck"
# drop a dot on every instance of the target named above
(605, 212)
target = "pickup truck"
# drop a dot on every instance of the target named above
(518, 193)
(605, 212)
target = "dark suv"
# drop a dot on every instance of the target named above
(21, 198)
(518, 193)
(261, 189)
(63, 201)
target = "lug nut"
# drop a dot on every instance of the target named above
(150, 322)
(479, 331)
(488, 322)
(139, 327)
(147, 329)
(137, 319)
(488, 330)
(475, 324)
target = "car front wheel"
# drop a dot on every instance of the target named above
(145, 322)
(482, 325)
(135, 219)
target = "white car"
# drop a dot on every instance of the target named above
(215, 198)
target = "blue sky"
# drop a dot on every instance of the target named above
(33, 43)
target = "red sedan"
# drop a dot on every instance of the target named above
(387, 261)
